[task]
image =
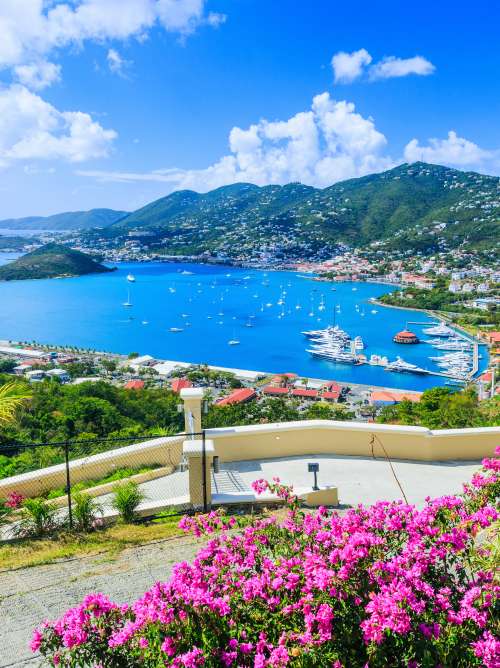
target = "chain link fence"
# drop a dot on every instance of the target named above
(35, 477)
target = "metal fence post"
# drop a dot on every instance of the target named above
(68, 485)
(204, 471)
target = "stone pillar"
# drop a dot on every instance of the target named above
(192, 397)
(193, 451)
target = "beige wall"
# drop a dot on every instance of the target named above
(351, 438)
(275, 440)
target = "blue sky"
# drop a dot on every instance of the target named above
(113, 103)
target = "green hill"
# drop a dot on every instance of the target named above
(50, 261)
(72, 220)
(415, 206)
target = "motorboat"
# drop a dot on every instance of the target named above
(176, 329)
(131, 278)
(439, 330)
(400, 365)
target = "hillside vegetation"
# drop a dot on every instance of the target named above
(50, 261)
(420, 206)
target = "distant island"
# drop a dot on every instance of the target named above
(51, 261)
(70, 220)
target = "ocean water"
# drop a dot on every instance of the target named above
(212, 305)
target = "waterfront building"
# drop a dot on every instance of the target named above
(406, 337)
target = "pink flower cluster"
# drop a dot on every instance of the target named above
(200, 525)
(386, 585)
(15, 500)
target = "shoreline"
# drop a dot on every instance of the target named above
(248, 375)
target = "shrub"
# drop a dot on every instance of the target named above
(5, 512)
(383, 586)
(126, 498)
(38, 518)
(87, 513)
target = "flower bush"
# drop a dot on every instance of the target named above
(383, 586)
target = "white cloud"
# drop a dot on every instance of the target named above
(454, 151)
(116, 63)
(391, 67)
(32, 129)
(38, 75)
(30, 29)
(349, 66)
(324, 144)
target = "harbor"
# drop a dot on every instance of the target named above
(228, 317)
(459, 363)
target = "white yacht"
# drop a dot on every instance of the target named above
(358, 343)
(400, 365)
(332, 353)
(439, 330)
(175, 329)
(131, 278)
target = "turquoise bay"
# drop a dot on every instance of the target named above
(212, 305)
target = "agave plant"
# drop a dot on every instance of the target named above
(12, 396)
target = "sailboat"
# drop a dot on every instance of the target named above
(128, 302)
(234, 341)
(131, 278)
(321, 306)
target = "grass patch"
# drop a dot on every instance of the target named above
(112, 541)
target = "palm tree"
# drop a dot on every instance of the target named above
(12, 396)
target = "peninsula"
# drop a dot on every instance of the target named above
(51, 261)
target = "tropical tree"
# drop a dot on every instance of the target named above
(12, 396)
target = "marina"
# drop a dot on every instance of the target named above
(239, 318)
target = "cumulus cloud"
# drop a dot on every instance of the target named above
(349, 66)
(32, 129)
(391, 67)
(324, 144)
(31, 29)
(454, 151)
(38, 75)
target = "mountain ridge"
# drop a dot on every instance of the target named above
(69, 220)
(399, 206)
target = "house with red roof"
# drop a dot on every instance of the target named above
(134, 385)
(304, 393)
(179, 384)
(239, 396)
(381, 398)
(270, 390)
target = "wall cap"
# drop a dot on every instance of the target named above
(192, 393)
(194, 448)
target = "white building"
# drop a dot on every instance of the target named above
(144, 360)
(60, 374)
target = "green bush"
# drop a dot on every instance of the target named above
(87, 512)
(38, 518)
(126, 499)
